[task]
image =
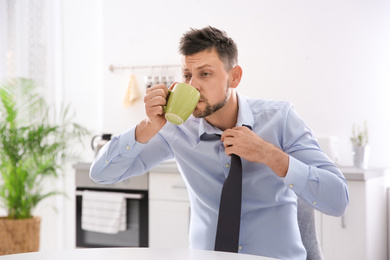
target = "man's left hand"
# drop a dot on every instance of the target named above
(246, 144)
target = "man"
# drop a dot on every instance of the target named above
(280, 157)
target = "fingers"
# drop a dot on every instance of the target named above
(156, 91)
(233, 139)
(249, 146)
(155, 99)
(236, 132)
(242, 142)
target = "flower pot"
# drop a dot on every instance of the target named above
(19, 235)
(360, 156)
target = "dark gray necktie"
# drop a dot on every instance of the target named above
(228, 228)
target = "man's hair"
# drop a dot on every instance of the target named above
(209, 38)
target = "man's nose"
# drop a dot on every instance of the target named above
(194, 83)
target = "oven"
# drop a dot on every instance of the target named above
(135, 193)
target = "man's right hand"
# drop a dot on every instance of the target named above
(155, 99)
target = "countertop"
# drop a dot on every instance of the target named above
(350, 173)
(356, 174)
(132, 253)
(166, 166)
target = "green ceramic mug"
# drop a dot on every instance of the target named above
(182, 101)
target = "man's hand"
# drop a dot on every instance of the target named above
(246, 144)
(155, 98)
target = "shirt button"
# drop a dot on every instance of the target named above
(291, 186)
(240, 248)
(227, 165)
(314, 202)
(127, 147)
(106, 162)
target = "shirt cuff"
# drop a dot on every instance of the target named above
(297, 175)
(128, 146)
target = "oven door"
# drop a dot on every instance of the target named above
(136, 233)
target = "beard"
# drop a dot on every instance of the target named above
(211, 109)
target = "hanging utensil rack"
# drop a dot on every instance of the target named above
(113, 68)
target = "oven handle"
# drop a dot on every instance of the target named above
(137, 196)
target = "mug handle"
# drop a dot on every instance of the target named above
(169, 93)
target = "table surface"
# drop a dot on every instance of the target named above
(132, 253)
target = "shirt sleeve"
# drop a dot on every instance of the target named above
(124, 157)
(311, 174)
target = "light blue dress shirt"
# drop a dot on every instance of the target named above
(269, 208)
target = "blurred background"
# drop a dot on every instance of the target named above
(331, 59)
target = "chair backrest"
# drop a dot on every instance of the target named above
(307, 227)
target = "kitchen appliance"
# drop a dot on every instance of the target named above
(98, 141)
(135, 192)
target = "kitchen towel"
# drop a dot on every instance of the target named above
(103, 212)
(132, 93)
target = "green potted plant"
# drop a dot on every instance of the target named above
(35, 143)
(359, 140)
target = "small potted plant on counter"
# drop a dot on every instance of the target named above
(360, 146)
(34, 146)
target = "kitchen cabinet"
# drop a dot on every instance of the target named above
(362, 232)
(169, 208)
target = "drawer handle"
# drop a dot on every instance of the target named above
(179, 187)
(136, 196)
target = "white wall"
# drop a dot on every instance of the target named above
(330, 58)
(79, 55)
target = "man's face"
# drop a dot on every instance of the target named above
(206, 72)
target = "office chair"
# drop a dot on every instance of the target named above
(307, 227)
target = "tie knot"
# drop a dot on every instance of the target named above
(214, 137)
(210, 137)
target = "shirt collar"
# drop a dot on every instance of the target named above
(245, 117)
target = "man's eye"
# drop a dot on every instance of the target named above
(186, 76)
(205, 74)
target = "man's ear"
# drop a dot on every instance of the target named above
(235, 76)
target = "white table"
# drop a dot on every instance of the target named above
(132, 253)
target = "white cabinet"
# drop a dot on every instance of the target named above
(169, 210)
(362, 232)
